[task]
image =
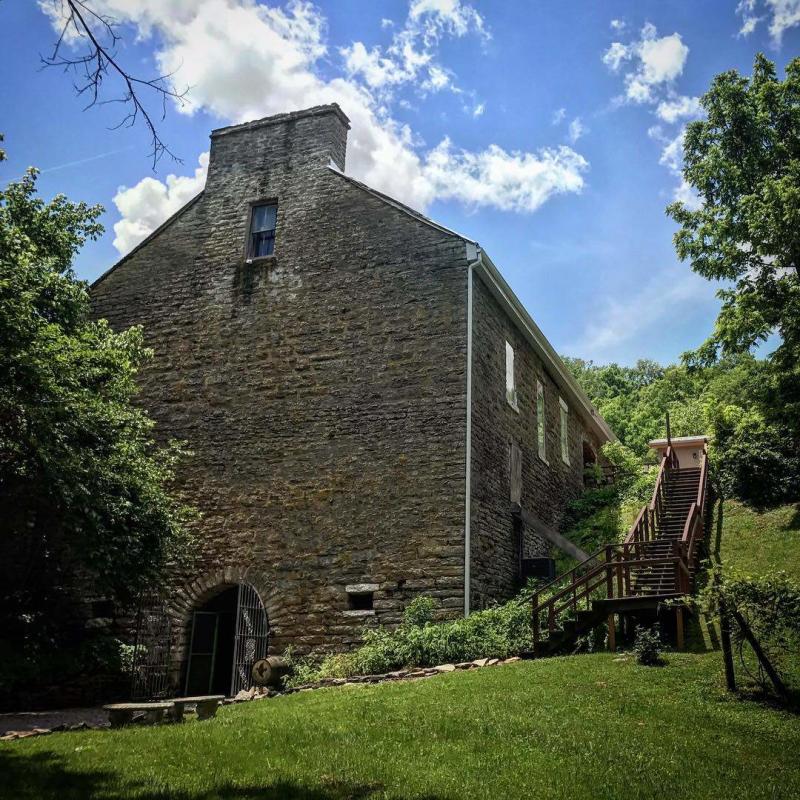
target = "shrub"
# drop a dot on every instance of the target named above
(497, 632)
(419, 611)
(771, 606)
(647, 646)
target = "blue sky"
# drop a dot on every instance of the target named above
(548, 131)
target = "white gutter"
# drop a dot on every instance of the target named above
(474, 258)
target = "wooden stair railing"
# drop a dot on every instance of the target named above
(648, 563)
(693, 529)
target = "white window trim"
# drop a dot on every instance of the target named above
(511, 378)
(541, 451)
(563, 432)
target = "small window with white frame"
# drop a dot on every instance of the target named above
(564, 409)
(541, 439)
(511, 385)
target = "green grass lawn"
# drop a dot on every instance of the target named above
(575, 727)
(760, 543)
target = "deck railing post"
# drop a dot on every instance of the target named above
(626, 558)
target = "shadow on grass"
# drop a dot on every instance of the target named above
(49, 775)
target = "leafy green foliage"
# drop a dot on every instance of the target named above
(603, 514)
(497, 632)
(419, 612)
(771, 605)
(84, 489)
(647, 647)
(738, 402)
(743, 160)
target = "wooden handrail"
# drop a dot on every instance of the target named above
(612, 571)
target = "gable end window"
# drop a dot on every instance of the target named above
(511, 386)
(564, 431)
(540, 421)
(263, 219)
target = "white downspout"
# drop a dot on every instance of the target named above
(474, 258)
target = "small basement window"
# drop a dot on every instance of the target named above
(263, 220)
(361, 598)
(360, 602)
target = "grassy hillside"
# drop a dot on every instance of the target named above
(578, 727)
(760, 543)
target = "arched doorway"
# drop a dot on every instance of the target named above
(228, 633)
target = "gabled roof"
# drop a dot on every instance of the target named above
(513, 307)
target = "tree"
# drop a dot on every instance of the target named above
(743, 160)
(85, 498)
(733, 401)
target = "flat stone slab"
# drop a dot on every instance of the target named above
(122, 713)
(206, 705)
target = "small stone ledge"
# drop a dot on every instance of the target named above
(361, 588)
(352, 612)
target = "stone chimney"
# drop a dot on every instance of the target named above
(274, 146)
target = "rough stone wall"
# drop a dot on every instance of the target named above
(321, 390)
(496, 426)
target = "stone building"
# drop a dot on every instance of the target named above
(363, 394)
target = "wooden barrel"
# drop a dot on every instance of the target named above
(269, 671)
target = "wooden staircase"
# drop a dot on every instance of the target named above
(656, 562)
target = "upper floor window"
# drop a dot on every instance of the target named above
(540, 421)
(262, 230)
(511, 386)
(564, 431)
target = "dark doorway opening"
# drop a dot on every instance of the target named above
(209, 669)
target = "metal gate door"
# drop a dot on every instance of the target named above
(252, 636)
(151, 653)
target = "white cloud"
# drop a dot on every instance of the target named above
(672, 159)
(655, 62)
(678, 107)
(615, 55)
(244, 60)
(450, 16)
(782, 15)
(376, 70)
(478, 109)
(510, 181)
(576, 130)
(147, 204)
(666, 296)
(438, 78)
(411, 50)
(559, 116)
(617, 25)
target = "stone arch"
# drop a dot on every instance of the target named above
(196, 593)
